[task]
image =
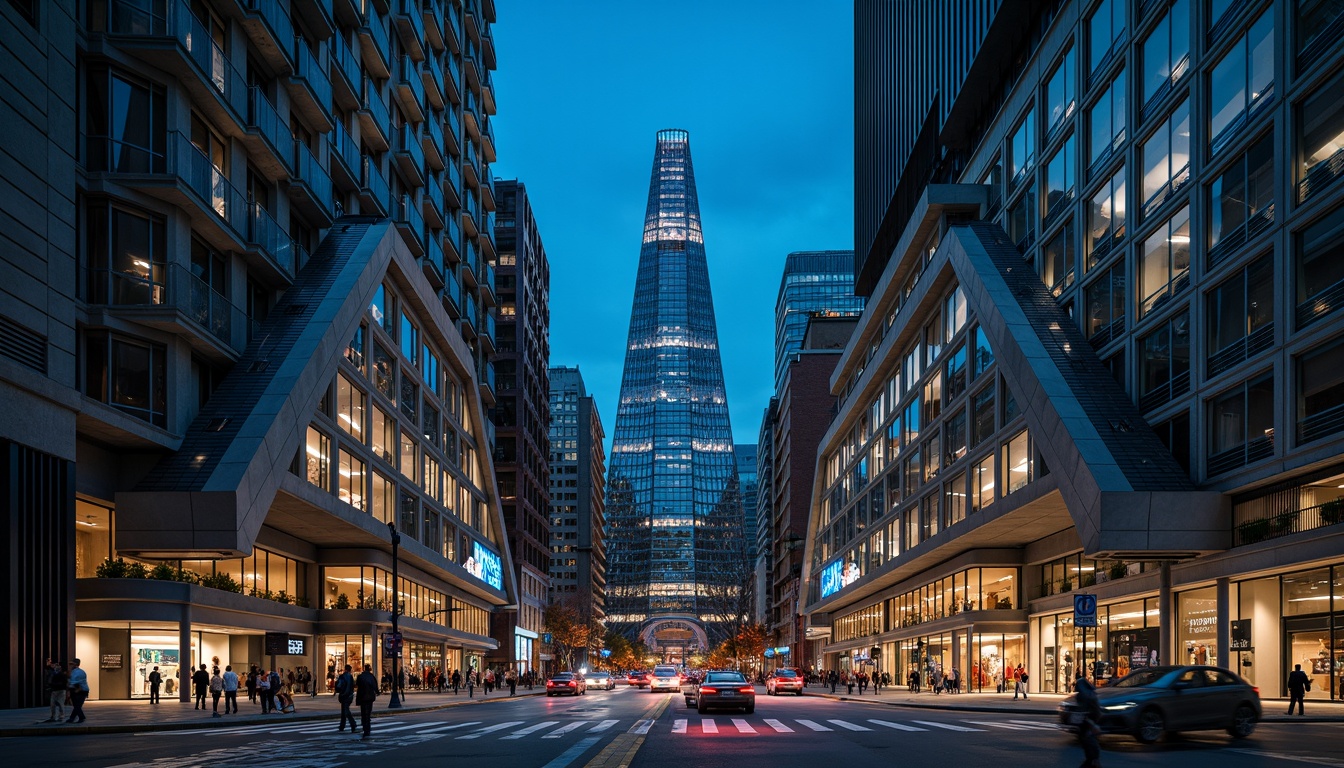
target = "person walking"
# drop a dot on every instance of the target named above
(1298, 685)
(230, 690)
(457, 681)
(366, 692)
(345, 695)
(200, 683)
(1089, 729)
(489, 681)
(58, 687)
(936, 682)
(252, 684)
(216, 689)
(512, 680)
(264, 692)
(833, 679)
(155, 680)
(79, 691)
(912, 680)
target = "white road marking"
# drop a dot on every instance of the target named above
(1295, 758)
(743, 726)
(947, 726)
(562, 730)
(679, 725)
(478, 733)
(778, 726)
(897, 726)
(438, 728)
(709, 726)
(1006, 726)
(641, 727)
(815, 725)
(573, 753)
(849, 726)
(602, 726)
(1038, 725)
(377, 730)
(531, 729)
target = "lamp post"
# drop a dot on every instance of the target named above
(395, 701)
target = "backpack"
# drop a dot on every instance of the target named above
(216, 684)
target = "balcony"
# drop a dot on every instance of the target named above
(271, 31)
(345, 163)
(454, 36)
(487, 382)
(452, 185)
(452, 81)
(346, 77)
(469, 317)
(268, 137)
(375, 124)
(469, 218)
(375, 197)
(431, 15)
(471, 165)
(411, 28)
(432, 203)
(311, 187)
(452, 300)
(451, 130)
(470, 263)
(319, 15)
(310, 91)
(432, 262)
(488, 285)
(452, 240)
(267, 238)
(431, 72)
(471, 115)
(488, 193)
(410, 224)
(374, 45)
(471, 24)
(410, 156)
(488, 332)
(410, 90)
(488, 92)
(487, 139)
(472, 70)
(431, 140)
(487, 49)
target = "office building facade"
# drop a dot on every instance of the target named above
(814, 282)
(1098, 352)
(253, 335)
(578, 517)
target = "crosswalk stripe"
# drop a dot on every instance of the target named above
(709, 726)
(778, 726)
(1006, 726)
(815, 726)
(478, 733)
(679, 726)
(1038, 724)
(946, 726)
(849, 726)
(602, 726)
(897, 726)
(454, 726)
(531, 729)
(572, 754)
(743, 726)
(383, 729)
(641, 727)
(562, 730)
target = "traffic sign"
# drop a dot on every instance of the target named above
(1085, 610)
(606, 653)
(769, 653)
(546, 638)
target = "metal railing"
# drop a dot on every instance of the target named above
(343, 146)
(308, 170)
(263, 118)
(1288, 522)
(372, 180)
(344, 58)
(314, 75)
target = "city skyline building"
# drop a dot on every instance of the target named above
(745, 455)
(578, 517)
(674, 505)
(813, 282)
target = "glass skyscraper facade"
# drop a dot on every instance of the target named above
(673, 501)
(813, 281)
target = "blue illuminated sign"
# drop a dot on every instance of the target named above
(836, 576)
(486, 566)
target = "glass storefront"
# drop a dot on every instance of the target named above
(1125, 638)
(355, 650)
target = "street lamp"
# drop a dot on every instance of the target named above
(395, 701)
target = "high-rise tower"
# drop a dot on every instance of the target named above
(676, 541)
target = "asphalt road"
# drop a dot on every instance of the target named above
(644, 730)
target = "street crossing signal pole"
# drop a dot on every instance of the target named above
(395, 701)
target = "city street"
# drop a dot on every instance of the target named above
(604, 729)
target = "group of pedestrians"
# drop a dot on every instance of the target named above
(363, 691)
(215, 684)
(66, 686)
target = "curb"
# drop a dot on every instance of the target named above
(188, 725)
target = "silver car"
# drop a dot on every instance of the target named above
(602, 680)
(725, 690)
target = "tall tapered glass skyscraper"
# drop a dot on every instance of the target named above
(677, 553)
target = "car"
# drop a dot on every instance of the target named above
(1152, 702)
(725, 690)
(782, 680)
(602, 680)
(562, 683)
(639, 679)
(665, 677)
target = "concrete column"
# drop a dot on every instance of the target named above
(1223, 592)
(1166, 617)
(186, 665)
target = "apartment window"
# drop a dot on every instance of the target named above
(1059, 179)
(383, 435)
(1241, 315)
(127, 374)
(429, 370)
(982, 484)
(125, 124)
(1320, 138)
(983, 356)
(928, 516)
(1242, 82)
(1164, 362)
(913, 472)
(318, 459)
(1105, 27)
(1175, 435)
(994, 180)
(410, 340)
(1320, 393)
(1022, 220)
(1106, 122)
(430, 425)
(1016, 462)
(1059, 94)
(1319, 268)
(954, 437)
(1106, 219)
(1166, 52)
(1166, 159)
(1241, 425)
(1217, 9)
(933, 457)
(125, 258)
(1241, 200)
(956, 373)
(410, 456)
(354, 351)
(933, 397)
(1106, 306)
(1022, 149)
(384, 372)
(982, 416)
(954, 500)
(1009, 406)
(1318, 24)
(408, 513)
(954, 313)
(1164, 265)
(431, 478)
(350, 484)
(383, 309)
(1057, 261)
(349, 407)
(384, 498)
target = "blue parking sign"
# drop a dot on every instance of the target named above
(1085, 610)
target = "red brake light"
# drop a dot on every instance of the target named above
(746, 689)
(1256, 688)
(708, 689)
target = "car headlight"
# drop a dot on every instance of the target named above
(1121, 707)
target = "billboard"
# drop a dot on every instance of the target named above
(486, 565)
(836, 576)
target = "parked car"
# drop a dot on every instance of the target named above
(782, 681)
(665, 677)
(1154, 701)
(602, 680)
(725, 690)
(563, 683)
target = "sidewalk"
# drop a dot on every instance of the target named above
(1046, 703)
(139, 715)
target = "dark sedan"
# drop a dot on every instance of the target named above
(566, 683)
(1152, 702)
(725, 690)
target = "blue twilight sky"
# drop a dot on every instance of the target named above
(765, 88)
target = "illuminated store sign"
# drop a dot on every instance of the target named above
(486, 566)
(838, 575)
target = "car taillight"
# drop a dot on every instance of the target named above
(571, 684)
(708, 689)
(1256, 688)
(746, 689)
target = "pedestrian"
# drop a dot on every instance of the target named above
(155, 680)
(439, 680)
(1017, 682)
(912, 680)
(230, 690)
(345, 695)
(457, 681)
(1089, 728)
(862, 680)
(489, 681)
(58, 688)
(954, 681)
(264, 692)
(79, 691)
(936, 682)
(216, 689)
(512, 680)
(1022, 683)
(200, 682)
(252, 684)
(849, 682)
(1298, 685)
(366, 692)
(471, 684)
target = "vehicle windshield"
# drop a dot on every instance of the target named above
(785, 673)
(725, 677)
(665, 672)
(563, 676)
(1143, 677)
(597, 674)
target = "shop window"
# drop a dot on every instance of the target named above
(1060, 172)
(93, 538)
(350, 486)
(1164, 264)
(1241, 315)
(1016, 463)
(1057, 263)
(1164, 362)
(1320, 393)
(1166, 52)
(1165, 159)
(1319, 268)
(127, 374)
(349, 407)
(1241, 425)
(318, 459)
(1242, 83)
(1320, 138)
(1241, 200)
(125, 256)
(1106, 219)
(1106, 307)
(1106, 123)
(1105, 29)
(998, 588)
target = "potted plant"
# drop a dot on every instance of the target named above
(1332, 511)
(342, 602)
(1253, 531)
(1066, 586)
(1088, 581)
